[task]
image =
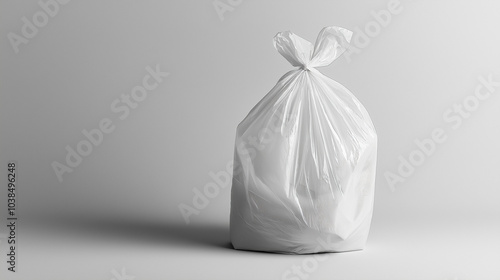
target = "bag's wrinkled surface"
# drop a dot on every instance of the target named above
(305, 156)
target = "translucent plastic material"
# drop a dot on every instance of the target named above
(305, 156)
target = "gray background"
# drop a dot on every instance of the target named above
(119, 207)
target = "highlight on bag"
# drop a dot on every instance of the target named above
(304, 159)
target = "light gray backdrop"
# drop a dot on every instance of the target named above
(416, 68)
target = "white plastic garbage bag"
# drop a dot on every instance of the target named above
(304, 160)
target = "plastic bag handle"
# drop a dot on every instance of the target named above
(332, 41)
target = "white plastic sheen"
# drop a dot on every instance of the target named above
(305, 157)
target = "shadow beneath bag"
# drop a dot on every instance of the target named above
(137, 231)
